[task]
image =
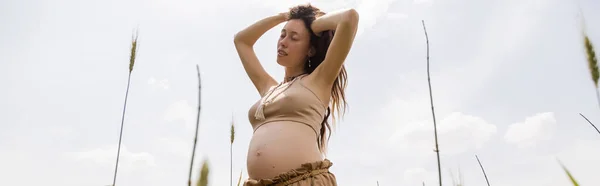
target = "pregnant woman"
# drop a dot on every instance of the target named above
(290, 120)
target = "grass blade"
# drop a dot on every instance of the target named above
(570, 175)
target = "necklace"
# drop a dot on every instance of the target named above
(264, 101)
(287, 79)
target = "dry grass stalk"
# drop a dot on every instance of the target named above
(437, 150)
(590, 122)
(483, 170)
(131, 63)
(197, 125)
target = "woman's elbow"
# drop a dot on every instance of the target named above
(351, 17)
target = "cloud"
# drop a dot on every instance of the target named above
(181, 110)
(534, 129)
(395, 16)
(370, 11)
(175, 146)
(164, 83)
(104, 157)
(423, 2)
(416, 176)
(457, 132)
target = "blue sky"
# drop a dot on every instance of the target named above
(509, 79)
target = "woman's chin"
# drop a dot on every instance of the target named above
(280, 61)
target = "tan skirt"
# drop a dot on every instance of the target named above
(309, 174)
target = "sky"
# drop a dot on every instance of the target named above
(509, 80)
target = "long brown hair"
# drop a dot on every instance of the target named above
(308, 14)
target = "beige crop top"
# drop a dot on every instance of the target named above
(290, 101)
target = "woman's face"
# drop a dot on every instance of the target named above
(293, 44)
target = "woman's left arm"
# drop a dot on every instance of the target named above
(345, 24)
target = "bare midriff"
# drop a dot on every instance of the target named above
(280, 146)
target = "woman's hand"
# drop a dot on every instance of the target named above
(284, 15)
(330, 21)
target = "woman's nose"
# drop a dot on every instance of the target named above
(283, 42)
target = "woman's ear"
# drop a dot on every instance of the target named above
(312, 51)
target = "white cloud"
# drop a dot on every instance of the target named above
(394, 16)
(416, 176)
(533, 130)
(106, 157)
(163, 84)
(424, 2)
(181, 110)
(370, 11)
(176, 146)
(457, 132)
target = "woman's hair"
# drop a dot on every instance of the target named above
(308, 13)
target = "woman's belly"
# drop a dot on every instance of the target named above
(281, 146)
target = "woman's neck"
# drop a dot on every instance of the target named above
(290, 74)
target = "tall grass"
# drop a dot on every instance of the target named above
(131, 64)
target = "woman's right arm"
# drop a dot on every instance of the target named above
(244, 41)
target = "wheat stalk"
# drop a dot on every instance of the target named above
(131, 63)
(592, 64)
(197, 124)
(437, 150)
